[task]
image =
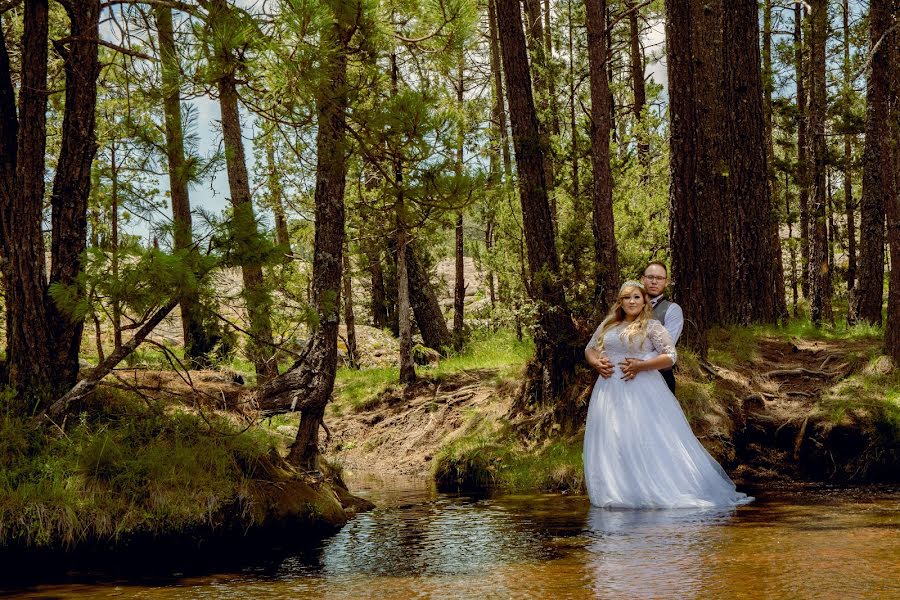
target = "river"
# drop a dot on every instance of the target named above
(793, 542)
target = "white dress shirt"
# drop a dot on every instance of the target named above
(674, 319)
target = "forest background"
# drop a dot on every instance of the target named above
(559, 145)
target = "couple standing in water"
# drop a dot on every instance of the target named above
(639, 450)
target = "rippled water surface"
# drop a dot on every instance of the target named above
(795, 543)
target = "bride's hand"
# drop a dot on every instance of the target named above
(630, 367)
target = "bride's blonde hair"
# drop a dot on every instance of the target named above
(616, 315)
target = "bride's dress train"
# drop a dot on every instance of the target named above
(639, 450)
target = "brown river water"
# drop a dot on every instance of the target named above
(799, 542)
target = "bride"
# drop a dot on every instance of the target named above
(639, 451)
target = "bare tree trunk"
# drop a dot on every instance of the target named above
(349, 317)
(848, 176)
(698, 220)
(425, 305)
(379, 308)
(72, 181)
(498, 107)
(877, 170)
(758, 275)
(197, 343)
(407, 368)
(114, 243)
(554, 332)
(459, 292)
(28, 334)
(605, 252)
(638, 89)
(892, 205)
(317, 370)
(802, 145)
(276, 200)
(819, 273)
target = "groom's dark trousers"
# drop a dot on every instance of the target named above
(669, 376)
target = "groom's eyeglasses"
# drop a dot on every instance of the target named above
(655, 277)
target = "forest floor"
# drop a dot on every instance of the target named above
(768, 406)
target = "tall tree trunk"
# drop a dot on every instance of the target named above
(459, 291)
(638, 89)
(407, 367)
(849, 207)
(320, 365)
(698, 224)
(28, 334)
(72, 181)
(114, 243)
(800, 57)
(349, 316)
(877, 169)
(758, 276)
(276, 200)
(610, 75)
(795, 293)
(540, 71)
(256, 295)
(554, 332)
(425, 305)
(819, 273)
(197, 343)
(499, 112)
(376, 274)
(605, 253)
(892, 204)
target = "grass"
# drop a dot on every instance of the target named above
(356, 389)
(120, 470)
(484, 461)
(871, 395)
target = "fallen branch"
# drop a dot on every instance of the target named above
(87, 385)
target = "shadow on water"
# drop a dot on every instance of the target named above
(792, 542)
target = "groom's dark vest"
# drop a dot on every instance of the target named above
(659, 313)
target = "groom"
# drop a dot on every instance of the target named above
(655, 280)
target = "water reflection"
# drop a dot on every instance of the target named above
(655, 553)
(422, 544)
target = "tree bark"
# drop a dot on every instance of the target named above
(698, 226)
(276, 202)
(316, 373)
(197, 342)
(425, 305)
(802, 145)
(877, 169)
(499, 112)
(892, 206)
(819, 272)
(29, 341)
(757, 272)
(554, 332)
(602, 223)
(849, 207)
(638, 89)
(459, 288)
(376, 275)
(72, 181)
(349, 316)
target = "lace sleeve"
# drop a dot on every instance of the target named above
(596, 343)
(661, 340)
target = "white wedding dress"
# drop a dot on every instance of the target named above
(639, 451)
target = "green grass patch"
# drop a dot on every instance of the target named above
(868, 396)
(482, 460)
(487, 350)
(356, 388)
(120, 469)
(733, 345)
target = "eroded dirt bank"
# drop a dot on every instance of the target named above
(776, 416)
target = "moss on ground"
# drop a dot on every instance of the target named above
(121, 470)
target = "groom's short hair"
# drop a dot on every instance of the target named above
(657, 262)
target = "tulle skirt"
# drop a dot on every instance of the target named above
(640, 452)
